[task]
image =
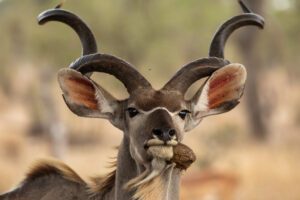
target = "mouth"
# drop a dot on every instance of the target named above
(158, 142)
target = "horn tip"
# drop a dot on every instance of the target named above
(244, 7)
(58, 6)
(45, 16)
(41, 17)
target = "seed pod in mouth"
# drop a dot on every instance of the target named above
(183, 156)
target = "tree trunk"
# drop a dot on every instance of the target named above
(251, 58)
(53, 126)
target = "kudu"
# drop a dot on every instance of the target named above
(150, 157)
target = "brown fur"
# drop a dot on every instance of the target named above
(149, 99)
(96, 190)
(102, 185)
(50, 167)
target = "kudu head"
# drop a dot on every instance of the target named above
(150, 117)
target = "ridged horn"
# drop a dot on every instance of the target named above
(78, 25)
(112, 65)
(247, 19)
(192, 72)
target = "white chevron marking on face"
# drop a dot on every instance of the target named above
(159, 108)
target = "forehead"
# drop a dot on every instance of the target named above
(149, 99)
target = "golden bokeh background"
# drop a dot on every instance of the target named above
(249, 153)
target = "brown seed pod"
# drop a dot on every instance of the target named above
(183, 156)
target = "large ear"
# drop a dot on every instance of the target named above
(220, 93)
(84, 97)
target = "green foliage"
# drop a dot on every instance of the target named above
(156, 36)
(157, 33)
(290, 29)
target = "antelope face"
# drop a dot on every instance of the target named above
(154, 118)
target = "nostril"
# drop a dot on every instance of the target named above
(157, 132)
(172, 132)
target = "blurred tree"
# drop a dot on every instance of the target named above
(53, 127)
(248, 47)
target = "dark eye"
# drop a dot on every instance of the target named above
(182, 114)
(132, 112)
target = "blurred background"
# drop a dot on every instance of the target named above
(250, 153)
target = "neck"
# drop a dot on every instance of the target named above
(163, 187)
(167, 183)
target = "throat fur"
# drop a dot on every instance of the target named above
(156, 189)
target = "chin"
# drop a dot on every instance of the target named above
(164, 152)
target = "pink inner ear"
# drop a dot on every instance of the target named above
(81, 91)
(225, 86)
(221, 80)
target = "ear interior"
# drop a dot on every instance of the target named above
(221, 91)
(83, 96)
(78, 90)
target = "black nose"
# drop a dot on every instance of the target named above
(164, 134)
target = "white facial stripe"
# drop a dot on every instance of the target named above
(158, 108)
